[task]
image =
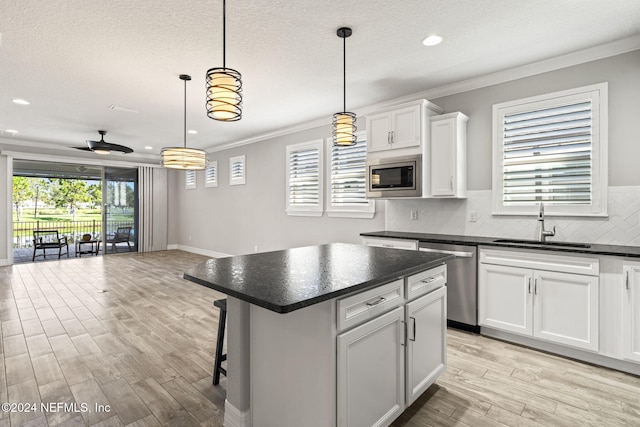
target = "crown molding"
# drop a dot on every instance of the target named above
(595, 53)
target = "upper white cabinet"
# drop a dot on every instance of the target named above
(631, 311)
(449, 155)
(540, 295)
(400, 130)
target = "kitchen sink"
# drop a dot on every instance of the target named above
(538, 243)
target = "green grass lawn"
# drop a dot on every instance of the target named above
(50, 215)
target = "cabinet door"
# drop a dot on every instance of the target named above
(631, 312)
(371, 372)
(566, 309)
(379, 132)
(406, 127)
(504, 295)
(426, 341)
(443, 157)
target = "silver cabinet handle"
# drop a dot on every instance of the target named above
(378, 301)
(626, 281)
(392, 136)
(403, 334)
(384, 245)
(451, 183)
(414, 328)
(535, 287)
(429, 280)
(529, 282)
(388, 137)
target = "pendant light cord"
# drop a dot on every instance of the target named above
(185, 114)
(344, 74)
(224, 33)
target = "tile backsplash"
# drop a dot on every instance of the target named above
(451, 216)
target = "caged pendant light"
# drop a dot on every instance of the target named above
(183, 157)
(344, 123)
(224, 85)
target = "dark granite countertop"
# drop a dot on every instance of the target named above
(287, 280)
(552, 245)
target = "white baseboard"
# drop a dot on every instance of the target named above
(233, 417)
(199, 251)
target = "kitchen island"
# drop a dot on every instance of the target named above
(327, 335)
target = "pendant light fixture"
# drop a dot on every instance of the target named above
(224, 85)
(183, 157)
(344, 123)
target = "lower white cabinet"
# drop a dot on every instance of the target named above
(551, 305)
(426, 319)
(631, 311)
(387, 362)
(371, 372)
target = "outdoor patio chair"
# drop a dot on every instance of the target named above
(48, 239)
(123, 234)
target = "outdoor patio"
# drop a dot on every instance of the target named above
(24, 255)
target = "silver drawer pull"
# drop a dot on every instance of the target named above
(380, 300)
(429, 280)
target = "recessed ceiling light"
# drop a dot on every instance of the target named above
(148, 147)
(20, 101)
(192, 132)
(432, 40)
(11, 131)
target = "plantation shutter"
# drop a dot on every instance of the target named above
(190, 179)
(304, 177)
(237, 170)
(547, 155)
(211, 175)
(348, 170)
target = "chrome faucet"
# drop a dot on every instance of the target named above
(543, 234)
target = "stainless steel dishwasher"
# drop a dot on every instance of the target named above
(462, 284)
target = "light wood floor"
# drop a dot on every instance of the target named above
(127, 331)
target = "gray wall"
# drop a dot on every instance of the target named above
(234, 219)
(623, 74)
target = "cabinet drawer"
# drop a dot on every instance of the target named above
(366, 305)
(425, 282)
(391, 243)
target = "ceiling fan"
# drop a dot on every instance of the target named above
(103, 147)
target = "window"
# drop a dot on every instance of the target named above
(552, 149)
(304, 178)
(190, 179)
(237, 170)
(211, 174)
(346, 172)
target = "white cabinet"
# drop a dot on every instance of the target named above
(384, 242)
(631, 311)
(400, 128)
(529, 294)
(505, 299)
(395, 129)
(448, 159)
(389, 352)
(426, 319)
(371, 372)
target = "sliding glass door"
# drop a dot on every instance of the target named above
(120, 210)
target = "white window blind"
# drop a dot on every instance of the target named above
(547, 155)
(190, 179)
(211, 174)
(347, 180)
(304, 179)
(237, 170)
(553, 149)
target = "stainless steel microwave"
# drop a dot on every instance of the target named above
(394, 177)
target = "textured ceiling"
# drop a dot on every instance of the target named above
(72, 59)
